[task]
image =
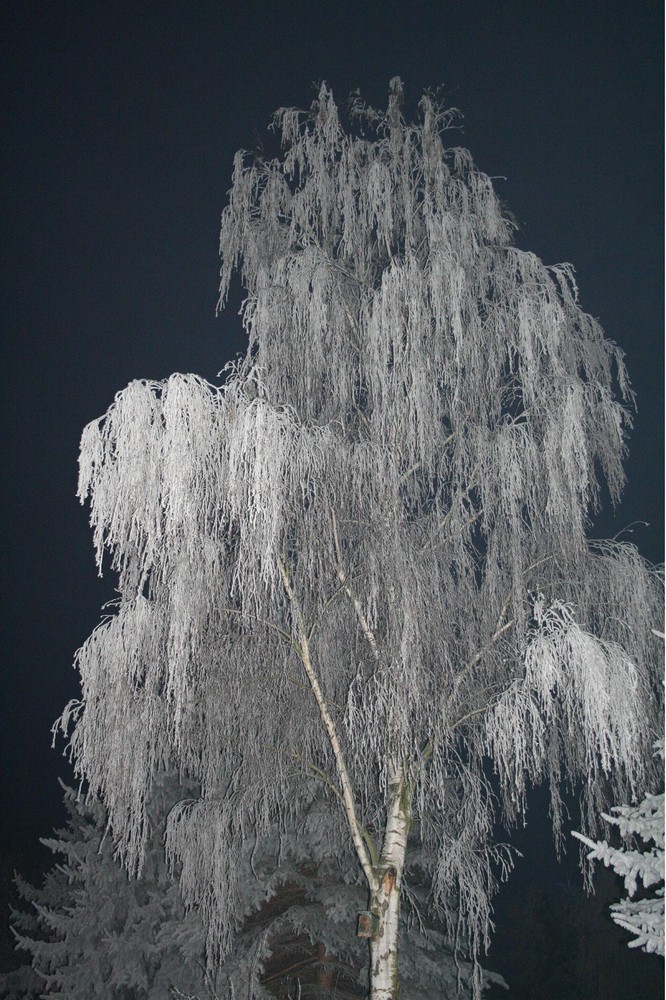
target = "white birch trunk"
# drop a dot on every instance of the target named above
(385, 898)
(385, 877)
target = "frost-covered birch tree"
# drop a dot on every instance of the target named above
(362, 560)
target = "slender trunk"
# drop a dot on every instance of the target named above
(385, 876)
(325, 972)
(345, 791)
(385, 899)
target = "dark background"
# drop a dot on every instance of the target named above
(120, 123)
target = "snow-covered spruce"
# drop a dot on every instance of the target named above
(644, 918)
(90, 931)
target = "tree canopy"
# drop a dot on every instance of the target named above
(362, 559)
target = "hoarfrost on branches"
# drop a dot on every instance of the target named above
(362, 559)
(644, 869)
(92, 932)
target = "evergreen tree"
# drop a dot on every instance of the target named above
(640, 869)
(92, 931)
(298, 932)
(363, 558)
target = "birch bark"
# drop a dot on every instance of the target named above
(385, 898)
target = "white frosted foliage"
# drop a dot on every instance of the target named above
(640, 869)
(362, 559)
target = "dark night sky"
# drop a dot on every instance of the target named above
(121, 120)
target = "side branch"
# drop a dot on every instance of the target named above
(345, 782)
(500, 629)
(464, 673)
(344, 581)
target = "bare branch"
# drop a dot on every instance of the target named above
(344, 580)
